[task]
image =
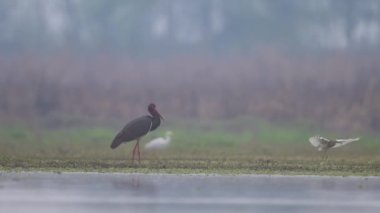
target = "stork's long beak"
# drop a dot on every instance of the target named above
(161, 116)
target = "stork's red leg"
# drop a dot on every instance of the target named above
(134, 151)
(138, 149)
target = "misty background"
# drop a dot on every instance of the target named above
(308, 61)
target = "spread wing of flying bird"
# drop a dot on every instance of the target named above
(323, 143)
(342, 142)
(316, 141)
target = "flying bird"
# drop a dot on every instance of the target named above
(160, 143)
(323, 144)
(138, 128)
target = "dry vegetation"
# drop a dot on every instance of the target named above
(336, 90)
(211, 166)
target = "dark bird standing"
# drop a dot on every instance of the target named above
(138, 128)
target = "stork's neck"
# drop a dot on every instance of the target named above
(155, 122)
(154, 113)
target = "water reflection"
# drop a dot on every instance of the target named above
(91, 192)
(135, 184)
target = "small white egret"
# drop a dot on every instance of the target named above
(323, 144)
(160, 143)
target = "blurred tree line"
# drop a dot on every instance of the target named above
(164, 26)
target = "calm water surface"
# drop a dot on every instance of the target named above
(94, 192)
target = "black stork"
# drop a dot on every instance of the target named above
(138, 128)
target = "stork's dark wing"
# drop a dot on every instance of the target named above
(133, 130)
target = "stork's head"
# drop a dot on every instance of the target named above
(152, 110)
(151, 106)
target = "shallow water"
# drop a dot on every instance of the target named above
(94, 192)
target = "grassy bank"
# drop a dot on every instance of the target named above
(338, 167)
(238, 146)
